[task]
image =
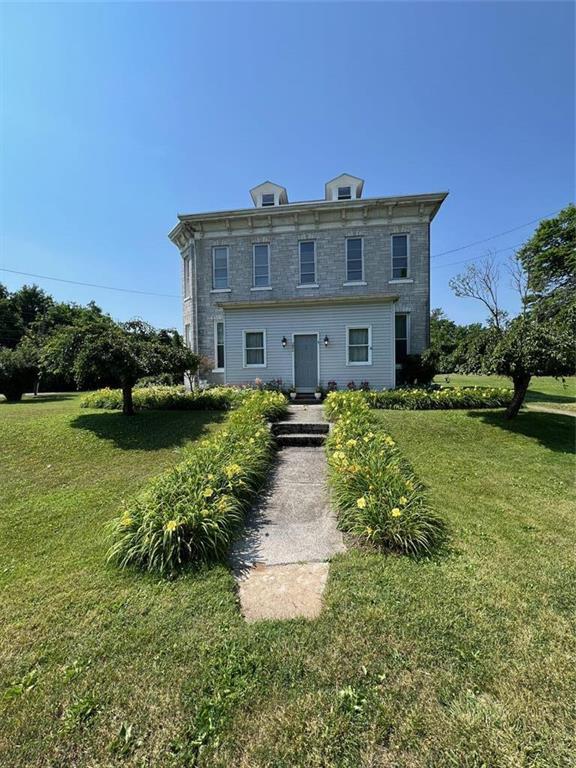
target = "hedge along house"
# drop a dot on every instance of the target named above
(309, 292)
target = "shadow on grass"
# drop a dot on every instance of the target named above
(551, 430)
(52, 398)
(148, 430)
(534, 396)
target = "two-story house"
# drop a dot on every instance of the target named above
(309, 292)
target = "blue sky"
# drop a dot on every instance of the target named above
(117, 116)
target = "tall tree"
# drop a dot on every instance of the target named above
(116, 353)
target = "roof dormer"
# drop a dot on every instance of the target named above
(267, 195)
(344, 187)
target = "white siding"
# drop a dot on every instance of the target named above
(330, 321)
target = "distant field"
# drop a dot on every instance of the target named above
(544, 390)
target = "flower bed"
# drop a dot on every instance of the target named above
(379, 499)
(438, 399)
(189, 513)
(168, 398)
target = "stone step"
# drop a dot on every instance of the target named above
(300, 439)
(305, 400)
(298, 427)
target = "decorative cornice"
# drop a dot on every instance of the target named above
(309, 301)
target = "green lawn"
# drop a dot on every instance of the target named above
(544, 391)
(466, 660)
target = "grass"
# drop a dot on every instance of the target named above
(544, 391)
(463, 660)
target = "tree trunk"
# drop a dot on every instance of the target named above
(521, 383)
(127, 404)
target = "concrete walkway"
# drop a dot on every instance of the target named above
(281, 561)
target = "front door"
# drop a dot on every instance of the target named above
(306, 362)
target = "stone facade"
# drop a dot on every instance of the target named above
(328, 224)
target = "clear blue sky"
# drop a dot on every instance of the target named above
(117, 116)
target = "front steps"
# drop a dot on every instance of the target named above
(293, 433)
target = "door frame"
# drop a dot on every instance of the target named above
(305, 333)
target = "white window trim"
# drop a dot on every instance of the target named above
(310, 285)
(354, 282)
(254, 286)
(401, 280)
(227, 288)
(356, 328)
(398, 366)
(261, 288)
(268, 205)
(219, 370)
(300, 283)
(345, 186)
(254, 365)
(408, 264)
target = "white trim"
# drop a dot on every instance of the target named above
(402, 280)
(309, 285)
(262, 288)
(254, 365)
(408, 264)
(358, 328)
(354, 237)
(313, 241)
(216, 321)
(354, 282)
(220, 290)
(304, 333)
(227, 288)
(269, 285)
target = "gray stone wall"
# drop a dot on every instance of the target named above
(330, 274)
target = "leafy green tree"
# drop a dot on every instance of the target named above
(18, 371)
(116, 353)
(447, 339)
(535, 343)
(549, 261)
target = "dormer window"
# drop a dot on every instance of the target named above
(344, 187)
(268, 195)
(344, 193)
(268, 199)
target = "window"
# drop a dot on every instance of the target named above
(268, 199)
(220, 267)
(261, 265)
(187, 335)
(401, 323)
(359, 346)
(186, 277)
(307, 262)
(354, 259)
(219, 344)
(399, 256)
(344, 193)
(255, 349)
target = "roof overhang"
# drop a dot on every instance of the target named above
(308, 301)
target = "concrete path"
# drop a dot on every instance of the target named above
(545, 409)
(281, 561)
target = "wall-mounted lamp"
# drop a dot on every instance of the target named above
(284, 341)
(326, 340)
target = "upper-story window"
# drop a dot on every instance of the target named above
(220, 267)
(307, 262)
(354, 260)
(261, 265)
(400, 253)
(268, 199)
(344, 193)
(187, 291)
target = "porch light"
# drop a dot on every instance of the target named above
(284, 341)
(326, 340)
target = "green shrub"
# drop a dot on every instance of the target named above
(168, 399)
(189, 513)
(18, 371)
(379, 499)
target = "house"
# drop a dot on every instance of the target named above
(311, 292)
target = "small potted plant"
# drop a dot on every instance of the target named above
(292, 392)
(318, 392)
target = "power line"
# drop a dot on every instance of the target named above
(478, 258)
(492, 237)
(90, 285)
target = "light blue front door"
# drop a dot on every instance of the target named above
(305, 362)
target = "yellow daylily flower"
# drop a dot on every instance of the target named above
(361, 502)
(171, 525)
(126, 521)
(403, 500)
(395, 512)
(207, 492)
(351, 442)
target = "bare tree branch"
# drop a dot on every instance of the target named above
(481, 282)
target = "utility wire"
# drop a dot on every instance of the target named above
(492, 237)
(90, 285)
(477, 258)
